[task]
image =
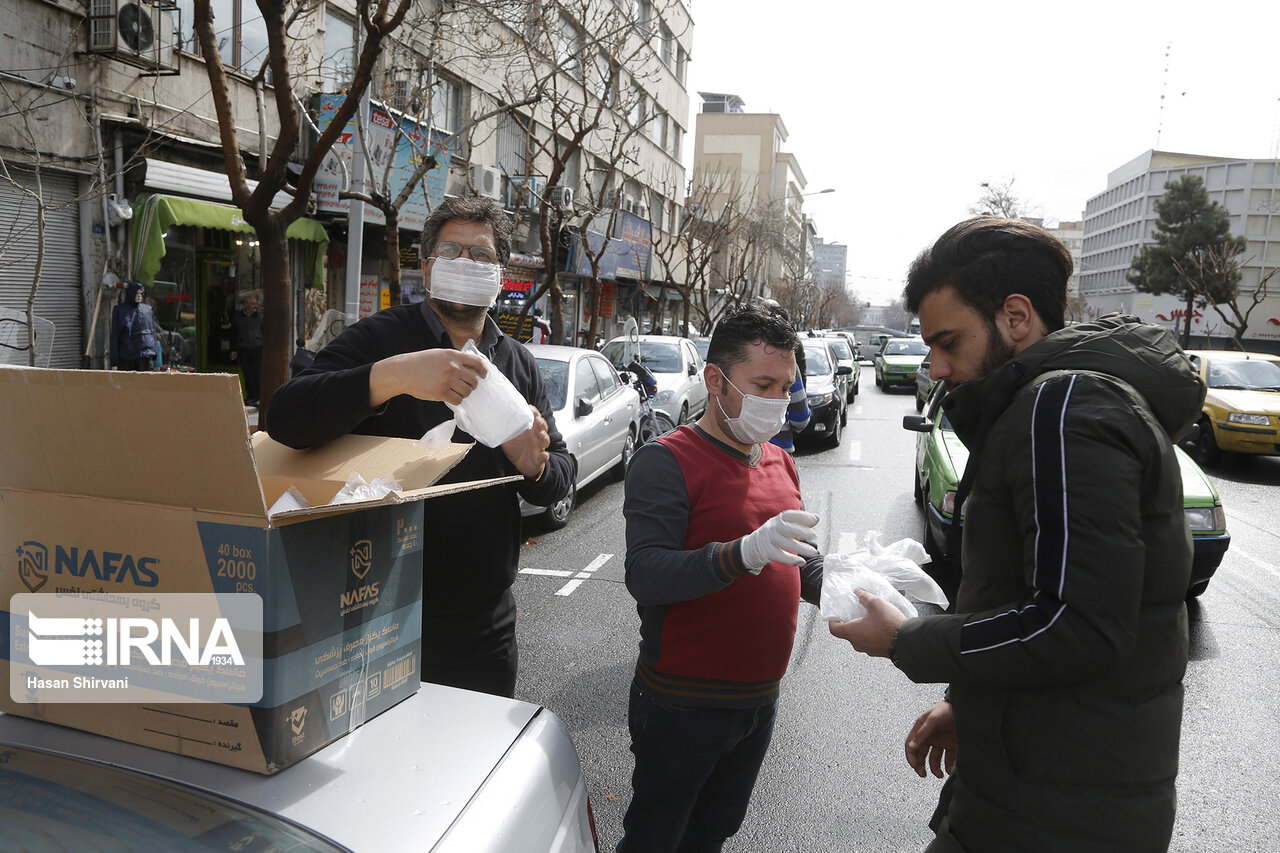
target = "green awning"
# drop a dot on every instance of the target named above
(158, 213)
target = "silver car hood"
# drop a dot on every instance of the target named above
(397, 783)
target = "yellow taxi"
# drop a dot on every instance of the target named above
(1242, 407)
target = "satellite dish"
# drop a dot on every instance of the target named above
(135, 27)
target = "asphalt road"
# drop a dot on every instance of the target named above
(835, 777)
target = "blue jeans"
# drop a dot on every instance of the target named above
(695, 770)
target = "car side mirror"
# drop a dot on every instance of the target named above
(844, 370)
(583, 408)
(693, 370)
(917, 423)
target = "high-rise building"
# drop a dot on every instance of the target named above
(1121, 219)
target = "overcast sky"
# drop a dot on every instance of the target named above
(906, 108)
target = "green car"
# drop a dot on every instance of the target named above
(941, 458)
(898, 361)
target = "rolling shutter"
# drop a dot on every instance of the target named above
(58, 298)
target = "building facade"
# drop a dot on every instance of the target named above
(121, 137)
(1121, 219)
(740, 167)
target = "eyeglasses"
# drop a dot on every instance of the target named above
(479, 254)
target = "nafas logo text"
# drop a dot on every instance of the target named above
(361, 563)
(115, 567)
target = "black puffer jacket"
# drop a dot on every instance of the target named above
(1069, 643)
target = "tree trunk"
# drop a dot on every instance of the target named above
(392, 213)
(1186, 320)
(277, 297)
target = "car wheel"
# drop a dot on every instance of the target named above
(628, 450)
(557, 514)
(919, 402)
(917, 490)
(879, 381)
(684, 413)
(833, 437)
(1206, 445)
(855, 389)
(844, 415)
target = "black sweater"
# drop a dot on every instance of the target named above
(473, 538)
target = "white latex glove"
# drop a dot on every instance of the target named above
(780, 539)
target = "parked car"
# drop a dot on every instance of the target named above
(702, 344)
(940, 460)
(924, 384)
(682, 390)
(898, 361)
(845, 358)
(596, 412)
(1241, 411)
(446, 770)
(825, 386)
(875, 340)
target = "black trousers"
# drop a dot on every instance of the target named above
(474, 651)
(251, 363)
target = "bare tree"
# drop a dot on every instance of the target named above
(590, 63)
(1212, 273)
(378, 21)
(998, 199)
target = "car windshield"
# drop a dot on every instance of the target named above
(906, 348)
(816, 360)
(703, 344)
(841, 348)
(658, 356)
(1254, 374)
(555, 375)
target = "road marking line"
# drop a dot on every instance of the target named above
(554, 573)
(586, 573)
(568, 588)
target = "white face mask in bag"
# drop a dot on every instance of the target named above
(760, 418)
(465, 281)
(494, 412)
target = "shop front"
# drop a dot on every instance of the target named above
(199, 260)
(519, 282)
(623, 263)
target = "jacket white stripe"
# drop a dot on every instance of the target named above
(1049, 490)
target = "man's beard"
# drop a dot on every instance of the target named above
(459, 313)
(998, 351)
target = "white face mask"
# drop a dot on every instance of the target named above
(760, 418)
(465, 281)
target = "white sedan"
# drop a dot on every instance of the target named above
(676, 364)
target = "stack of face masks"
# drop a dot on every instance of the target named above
(494, 412)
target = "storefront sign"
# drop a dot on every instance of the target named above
(509, 323)
(516, 284)
(369, 297)
(388, 137)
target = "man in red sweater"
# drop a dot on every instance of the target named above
(719, 553)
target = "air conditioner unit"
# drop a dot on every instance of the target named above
(530, 198)
(560, 197)
(487, 180)
(138, 33)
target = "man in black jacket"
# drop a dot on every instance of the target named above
(1066, 653)
(391, 374)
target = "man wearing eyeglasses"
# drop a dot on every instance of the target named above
(391, 374)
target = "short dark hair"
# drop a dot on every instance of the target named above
(988, 258)
(739, 328)
(469, 209)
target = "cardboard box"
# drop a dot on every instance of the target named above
(114, 482)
